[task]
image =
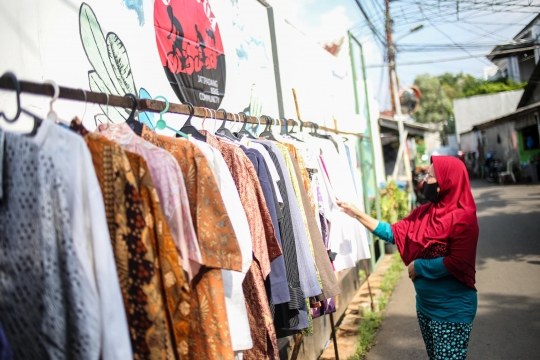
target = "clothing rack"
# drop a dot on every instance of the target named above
(47, 89)
(149, 105)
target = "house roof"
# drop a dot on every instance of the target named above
(412, 128)
(520, 45)
(518, 113)
(531, 86)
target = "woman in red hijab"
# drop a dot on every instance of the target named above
(437, 242)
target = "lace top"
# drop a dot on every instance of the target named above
(40, 293)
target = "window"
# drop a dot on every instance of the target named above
(530, 138)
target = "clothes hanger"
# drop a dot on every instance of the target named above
(52, 115)
(85, 105)
(135, 125)
(243, 132)
(292, 131)
(161, 124)
(267, 133)
(188, 128)
(223, 131)
(37, 119)
(96, 117)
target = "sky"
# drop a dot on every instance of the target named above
(328, 20)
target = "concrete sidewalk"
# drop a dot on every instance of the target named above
(507, 325)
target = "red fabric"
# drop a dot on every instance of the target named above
(448, 228)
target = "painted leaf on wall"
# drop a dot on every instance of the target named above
(117, 115)
(95, 48)
(120, 64)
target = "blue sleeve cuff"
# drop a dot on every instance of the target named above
(384, 232)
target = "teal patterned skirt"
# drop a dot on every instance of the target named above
(445, 340)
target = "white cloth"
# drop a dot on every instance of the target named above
(102, 295)
(347, 237)
(232, 280)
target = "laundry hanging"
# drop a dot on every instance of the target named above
(206, 249)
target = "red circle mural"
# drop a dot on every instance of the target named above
(191, 50)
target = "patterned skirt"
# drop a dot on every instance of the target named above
(445, 340)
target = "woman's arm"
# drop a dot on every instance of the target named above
(428, 268)
(366, 220)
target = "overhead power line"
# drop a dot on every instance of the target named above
(472, 56)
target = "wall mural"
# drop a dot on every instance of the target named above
(111, 72)
(191, 51)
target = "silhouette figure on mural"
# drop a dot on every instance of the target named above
(202, 45)
(211, 35)
(178, 37)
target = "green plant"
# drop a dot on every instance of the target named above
(394, 204)
(372, 320)
(366, 331)
(362, 275)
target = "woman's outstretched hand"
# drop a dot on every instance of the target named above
(349, 209)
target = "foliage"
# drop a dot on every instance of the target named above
(394, 204)
(362, 275)
(438, 92)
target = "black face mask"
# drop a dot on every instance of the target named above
(430, 192)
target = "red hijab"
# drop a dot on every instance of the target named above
(448, 228)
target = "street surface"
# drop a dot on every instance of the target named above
(507, 324)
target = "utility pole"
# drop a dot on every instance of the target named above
(403, 156)
(390, 54)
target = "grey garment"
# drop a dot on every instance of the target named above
(329, 282)
(279, 288)
(287, 238)
(40, 293)
(306, 266)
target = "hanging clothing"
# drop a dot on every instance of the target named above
(5, 348)
(274, 175)
(41, 305)
(211, 223)
(133, 252)
(347, 238)
(169, 184)
(101, 292)
(306, 265)
(232, 280)
(265, 248)
(173, 284)
(330, 287)
(279, 288)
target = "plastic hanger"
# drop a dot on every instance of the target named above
(52, 115)
(223, 131)
(243, 132)
(85, 105)
(267, 133)
(292, 131)
(190, 129)
(96, 117)
(17, 85)
(161, 124)
(135, 125)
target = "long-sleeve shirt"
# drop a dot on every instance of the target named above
(439, 295)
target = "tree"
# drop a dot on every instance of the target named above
(438, 92)
(435, 104)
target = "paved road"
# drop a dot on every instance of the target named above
(507, 325)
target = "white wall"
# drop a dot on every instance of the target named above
(476, 110)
